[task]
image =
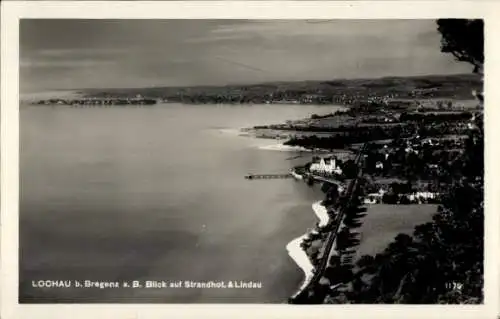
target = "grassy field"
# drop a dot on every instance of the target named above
(383, 222)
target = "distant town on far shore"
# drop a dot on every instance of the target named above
(352, 92)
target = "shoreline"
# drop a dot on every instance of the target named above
(294, 247)
(283, 148)
(322, 213)
(278, 146)
(299, 255)
(295, 175)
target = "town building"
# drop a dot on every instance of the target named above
(325, 166)
(375, 198)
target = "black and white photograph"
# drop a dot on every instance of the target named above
(251, 161)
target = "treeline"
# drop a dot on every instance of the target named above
(378, 127)
(336, 113)
(440, 129)
(352, 136)
(356, 134)
(397, 128)
(435, 117)
(405, 119)
(439, 162)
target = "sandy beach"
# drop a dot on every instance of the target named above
(322, 214)
(298, 254)
(301, 259)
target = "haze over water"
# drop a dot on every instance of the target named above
(158, 193)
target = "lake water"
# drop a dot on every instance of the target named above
(158, 193)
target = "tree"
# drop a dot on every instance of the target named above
(464, 39)
(366, 263)
(350, 169)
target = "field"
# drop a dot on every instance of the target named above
(383, 222)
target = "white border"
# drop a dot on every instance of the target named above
(11, 13)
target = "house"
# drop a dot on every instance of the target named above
(371, 200)
(430, 141)
(375, 198)
(421, 197)
(410, 147)
(326, 166)
(432, 166)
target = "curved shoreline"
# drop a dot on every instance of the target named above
(302, 260)
(299, 255)
(294, 249)
(295, 175)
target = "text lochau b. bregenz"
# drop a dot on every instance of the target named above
(146, 284)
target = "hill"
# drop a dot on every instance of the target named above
(343, 91)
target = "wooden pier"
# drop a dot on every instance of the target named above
(268, 176)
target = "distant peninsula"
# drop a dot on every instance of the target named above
(348, 92)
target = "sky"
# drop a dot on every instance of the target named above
(73, 54)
